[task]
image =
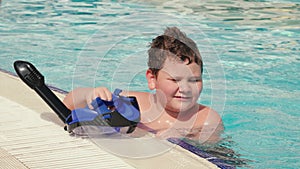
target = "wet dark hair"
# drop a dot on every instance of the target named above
(173, 44)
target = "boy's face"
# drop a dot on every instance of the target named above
(179, 85)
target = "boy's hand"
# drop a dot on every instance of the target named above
(101, 92)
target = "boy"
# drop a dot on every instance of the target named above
(175, 73)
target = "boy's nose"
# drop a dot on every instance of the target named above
(184, 87)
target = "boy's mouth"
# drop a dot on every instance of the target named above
(182, 97)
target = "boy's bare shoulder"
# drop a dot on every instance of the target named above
(210, 115)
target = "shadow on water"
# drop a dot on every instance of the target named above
(223, 154)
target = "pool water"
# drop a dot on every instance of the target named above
(250, 51)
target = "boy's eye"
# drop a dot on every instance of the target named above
(195, 80)
(174, 80)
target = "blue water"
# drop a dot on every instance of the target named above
(250, 50)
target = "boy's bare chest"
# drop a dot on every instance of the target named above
(171, 127)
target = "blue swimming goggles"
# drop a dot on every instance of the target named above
(121, 111)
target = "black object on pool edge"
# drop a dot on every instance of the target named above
(35, 80)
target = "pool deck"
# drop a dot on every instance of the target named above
(32, 136)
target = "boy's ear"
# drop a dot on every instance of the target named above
(151, 78)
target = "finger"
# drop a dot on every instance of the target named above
(104, 93)
(89, 103)
(108, 95)
(90, 106)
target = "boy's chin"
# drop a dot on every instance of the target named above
(181, 109)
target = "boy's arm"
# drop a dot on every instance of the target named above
(81, 97)
(214, 126)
